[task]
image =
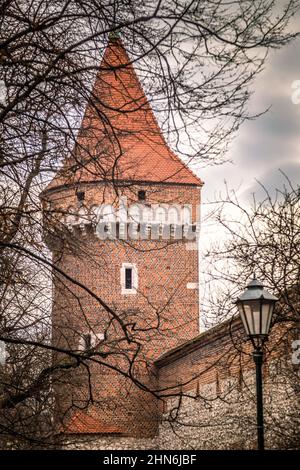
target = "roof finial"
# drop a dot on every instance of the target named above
(114, 34)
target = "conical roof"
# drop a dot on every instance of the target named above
(119, 138)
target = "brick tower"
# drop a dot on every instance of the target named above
(125, 286)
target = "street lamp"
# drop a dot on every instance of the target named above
(256, 307)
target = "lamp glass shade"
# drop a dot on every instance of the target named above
(267, 313)
(256, 316)
(242, 313)
(256, 307)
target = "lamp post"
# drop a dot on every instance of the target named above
(256, 306)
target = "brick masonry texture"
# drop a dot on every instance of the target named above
(99, 442)
(215, 404)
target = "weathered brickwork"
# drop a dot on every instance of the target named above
(216, 405)
(98, 442)
(209, 396)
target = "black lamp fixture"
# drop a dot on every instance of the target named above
(256, 306)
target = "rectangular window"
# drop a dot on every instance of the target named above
(87, 341)
(142, 195)
(128, 278)
(90, 340)
(80, 196)
(3, 353)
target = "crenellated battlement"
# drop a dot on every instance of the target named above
(136, 222)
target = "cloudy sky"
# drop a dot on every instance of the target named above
(269, 143)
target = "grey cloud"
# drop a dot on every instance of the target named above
(271, 141)
(275, 179)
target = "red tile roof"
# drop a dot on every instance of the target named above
(83, 423)
(119, 137)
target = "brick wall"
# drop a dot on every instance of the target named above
(215, 406)
(208, 390)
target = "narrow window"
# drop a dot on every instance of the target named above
(87, 342)
(128, 278)
(3, 353)
(80, 196)
(90, 340)
(142, 195)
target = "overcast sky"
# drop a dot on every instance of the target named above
(261, 147)
(270, 142)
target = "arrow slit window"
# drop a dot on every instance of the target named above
(129, 279)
